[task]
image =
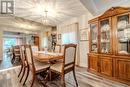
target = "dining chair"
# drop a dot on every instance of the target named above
(16, 54)
(68, 63)
(62, 48)
(57, 48)
(23, 62)
(34, 66)
(22, 59)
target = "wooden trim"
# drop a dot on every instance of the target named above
(114, 11)
(93, 20)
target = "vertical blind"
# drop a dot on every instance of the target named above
(69, 34)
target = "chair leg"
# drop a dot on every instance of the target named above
(33, 79)
(24, 68)
(75, 77)
(63, 79)
(26, 76)
(50, 75)
(12, 60)
(20, 70)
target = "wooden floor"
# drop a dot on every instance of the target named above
(8, 78)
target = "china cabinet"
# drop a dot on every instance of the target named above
(109, 42)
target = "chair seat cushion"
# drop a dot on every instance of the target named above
(58, 67)
(41, 65)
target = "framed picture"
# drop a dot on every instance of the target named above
(84, 34)
(59, 36)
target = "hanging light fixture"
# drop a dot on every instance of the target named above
(47, 11)
(45, 15)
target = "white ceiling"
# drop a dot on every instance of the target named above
(58, 10)
(61, 10)
(97, 7)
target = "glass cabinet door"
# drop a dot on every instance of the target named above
(93, 35)
(105, 36)
(123, 34)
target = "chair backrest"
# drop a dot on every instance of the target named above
(62, 48)
(29, 55)
(22, 52)
(57, 48)
(34, 48)
(16, 49)
(69, 54)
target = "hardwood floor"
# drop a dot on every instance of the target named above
(8, 78)
(6, 62)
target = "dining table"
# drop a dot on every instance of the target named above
(49, 57)
(43, 56)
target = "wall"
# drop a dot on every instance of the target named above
(1, 43)
(83, 45)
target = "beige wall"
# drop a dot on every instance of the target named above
(1, 44)
(83, 46)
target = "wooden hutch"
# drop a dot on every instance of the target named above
(109, 42)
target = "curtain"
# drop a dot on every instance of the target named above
(69, 34)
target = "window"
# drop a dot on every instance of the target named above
(8, 42)
(69, 38)
(69, 33)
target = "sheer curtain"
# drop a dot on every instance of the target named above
(69, 34)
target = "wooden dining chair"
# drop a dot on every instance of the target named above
(16, 54)
(62, 48)
(34, 66)
(22, 58)
(23, 62)
(68, 63)
(57, 48)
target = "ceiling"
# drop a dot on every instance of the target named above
(97, 7)
(61, 10)
(58, 10)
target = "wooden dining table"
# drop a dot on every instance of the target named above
(43, 56)
(49, 57)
